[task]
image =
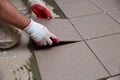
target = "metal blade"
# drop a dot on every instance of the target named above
(35, 47)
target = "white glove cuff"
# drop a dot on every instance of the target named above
(33, 27)
(32, 2)
(29, 28)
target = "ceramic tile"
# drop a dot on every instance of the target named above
(95, 25)
(108, 5)
(61, 28)
(79, 8)
(69, 62)
(115, 14)
(107, 49)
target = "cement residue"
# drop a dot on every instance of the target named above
(52, 11)
(9, 36)
(15, 66)
(5, 33)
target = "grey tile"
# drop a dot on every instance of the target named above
(95, 25)
(64, 1)
(107, 5)
(115, 14)
(79, 8)
(69, 62)
(61, 28)
(108, 51)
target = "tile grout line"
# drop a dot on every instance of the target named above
(97, 58)
(91, 49)
(112, 18)
(96, 5)
(102, 36)
(93, 2)
(85, 15)
(76, 30)
(112, 10)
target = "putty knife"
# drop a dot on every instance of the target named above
(35, 47)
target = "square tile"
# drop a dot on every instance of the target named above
(95, 25)
(107, 49)
(69, 62)
(108, 5)
(79, 8)
(115, 14)
(61, 28)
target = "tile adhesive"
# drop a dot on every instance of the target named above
(15, 66)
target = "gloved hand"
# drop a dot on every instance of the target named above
(40, 34)
(40, 9)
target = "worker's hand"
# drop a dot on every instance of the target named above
(40, 9)
(40, 34)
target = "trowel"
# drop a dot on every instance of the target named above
(35, 47)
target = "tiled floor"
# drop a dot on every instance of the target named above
(96, 23)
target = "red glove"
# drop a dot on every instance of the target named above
(41, 11)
